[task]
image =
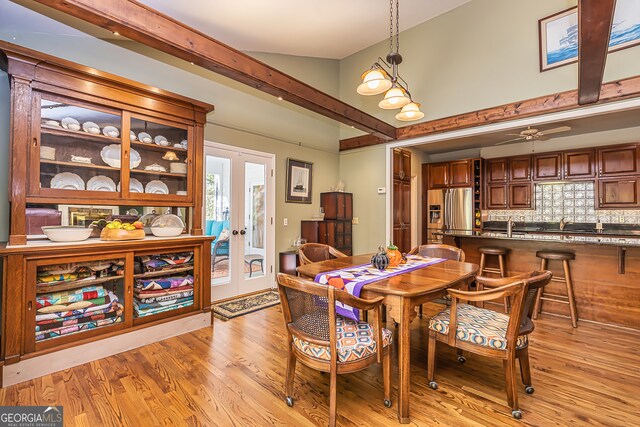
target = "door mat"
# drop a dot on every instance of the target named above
(245, 305)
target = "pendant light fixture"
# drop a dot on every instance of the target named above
(383, 77)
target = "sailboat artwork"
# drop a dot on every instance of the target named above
(298, 181)
(559, 33)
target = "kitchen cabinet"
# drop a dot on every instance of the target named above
(618, 161)
(438, 175)
(289, 262)
(496, 196)
(520, 168)
(496, 171)
(460, 173)
(401, 164)
(618, 193)
(337, 205)
(547, 167)
(578, 164)
(329, 232)
(520, 195)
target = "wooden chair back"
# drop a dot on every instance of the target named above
(316, 252)
(439, 251)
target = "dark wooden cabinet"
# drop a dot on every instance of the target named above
(618, 161)
(496, 170)
(520, 195)
(401, 164)
(578, 164)
(496, 196)
(402, 199)
(289, 261)
(337, 205)
(547, 167)
(520, 168)
(438, 175)
(329, 232)
(618, 193)
(460, 173)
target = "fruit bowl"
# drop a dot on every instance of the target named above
(66, 233)
(120, 234)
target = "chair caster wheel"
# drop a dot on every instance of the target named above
(528, 389)
(462, 359)
(517, 414)
(433, 385)
(387, 403)
(289, 401)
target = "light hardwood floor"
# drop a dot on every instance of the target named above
(235, 377)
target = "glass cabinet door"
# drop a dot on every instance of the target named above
(164, 167)
(77, 299)
(80, 150)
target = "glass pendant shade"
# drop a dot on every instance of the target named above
(410, 112)
(395, 97)
(374, 82)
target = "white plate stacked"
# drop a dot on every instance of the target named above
(156, 187)
(67, 181)
(101, 183)
(135, 186)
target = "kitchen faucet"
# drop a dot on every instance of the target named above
(563, 224)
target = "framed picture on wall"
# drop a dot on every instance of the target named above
(559, 34)
(299, 180)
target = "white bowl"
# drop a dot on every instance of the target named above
(166, 231)
(66, 233)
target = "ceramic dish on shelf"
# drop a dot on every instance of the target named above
(156, 187)
(184, 143)
(111, 156)
(135, 186)
(132, 136)
(67, 181)
(181, 193)
(101, 183)
(171, 156)
(80, 159)
(47, 153)
(66, 233)
(161, 140)
(111, 131)
(70, 123)
(145, 137)
(155, 168)
(49, 122)
(91, 128)
(178, 168)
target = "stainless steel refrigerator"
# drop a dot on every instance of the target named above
(449, 209)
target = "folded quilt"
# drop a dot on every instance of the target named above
(165, 298)
(56, 278)
(160, 304)
(156, 263)
(66, 297)
(160, 292)
(92, 317)
(66, 330)
(164, 282)
(78, 312)
(148, 312)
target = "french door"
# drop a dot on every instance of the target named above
(239, 206)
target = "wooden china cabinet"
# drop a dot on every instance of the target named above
(82, 137)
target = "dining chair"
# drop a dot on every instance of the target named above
(437, 250)
(325, 341)
(490, 333)
(316, 252)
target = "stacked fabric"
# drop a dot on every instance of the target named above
(67, 312)
(167, 261)
(157, 295)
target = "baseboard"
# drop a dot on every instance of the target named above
(38, 366)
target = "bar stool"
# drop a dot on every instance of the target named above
(565, 257)
(501, 253)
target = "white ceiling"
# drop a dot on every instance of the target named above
(324, 29)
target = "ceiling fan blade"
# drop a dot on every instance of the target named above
(514, 134)
(510, 140)
(555, 130)
(542, 138)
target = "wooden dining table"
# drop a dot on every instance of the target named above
(402, 294)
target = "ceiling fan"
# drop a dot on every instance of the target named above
(532, 134)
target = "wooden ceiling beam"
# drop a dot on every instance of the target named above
(143, 24)
(594, 25)
(613, 91)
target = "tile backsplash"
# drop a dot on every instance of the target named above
(574, 201)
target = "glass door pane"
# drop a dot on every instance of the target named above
(218, 215)
(254, 219)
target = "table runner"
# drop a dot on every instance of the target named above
(352, 279)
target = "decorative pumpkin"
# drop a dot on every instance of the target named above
(404, 259)
(380, 260)
(395, 257)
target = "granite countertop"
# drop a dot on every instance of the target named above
(622, 230)
(547, 237)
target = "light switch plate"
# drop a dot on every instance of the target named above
(286, 222)
(382, 190)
